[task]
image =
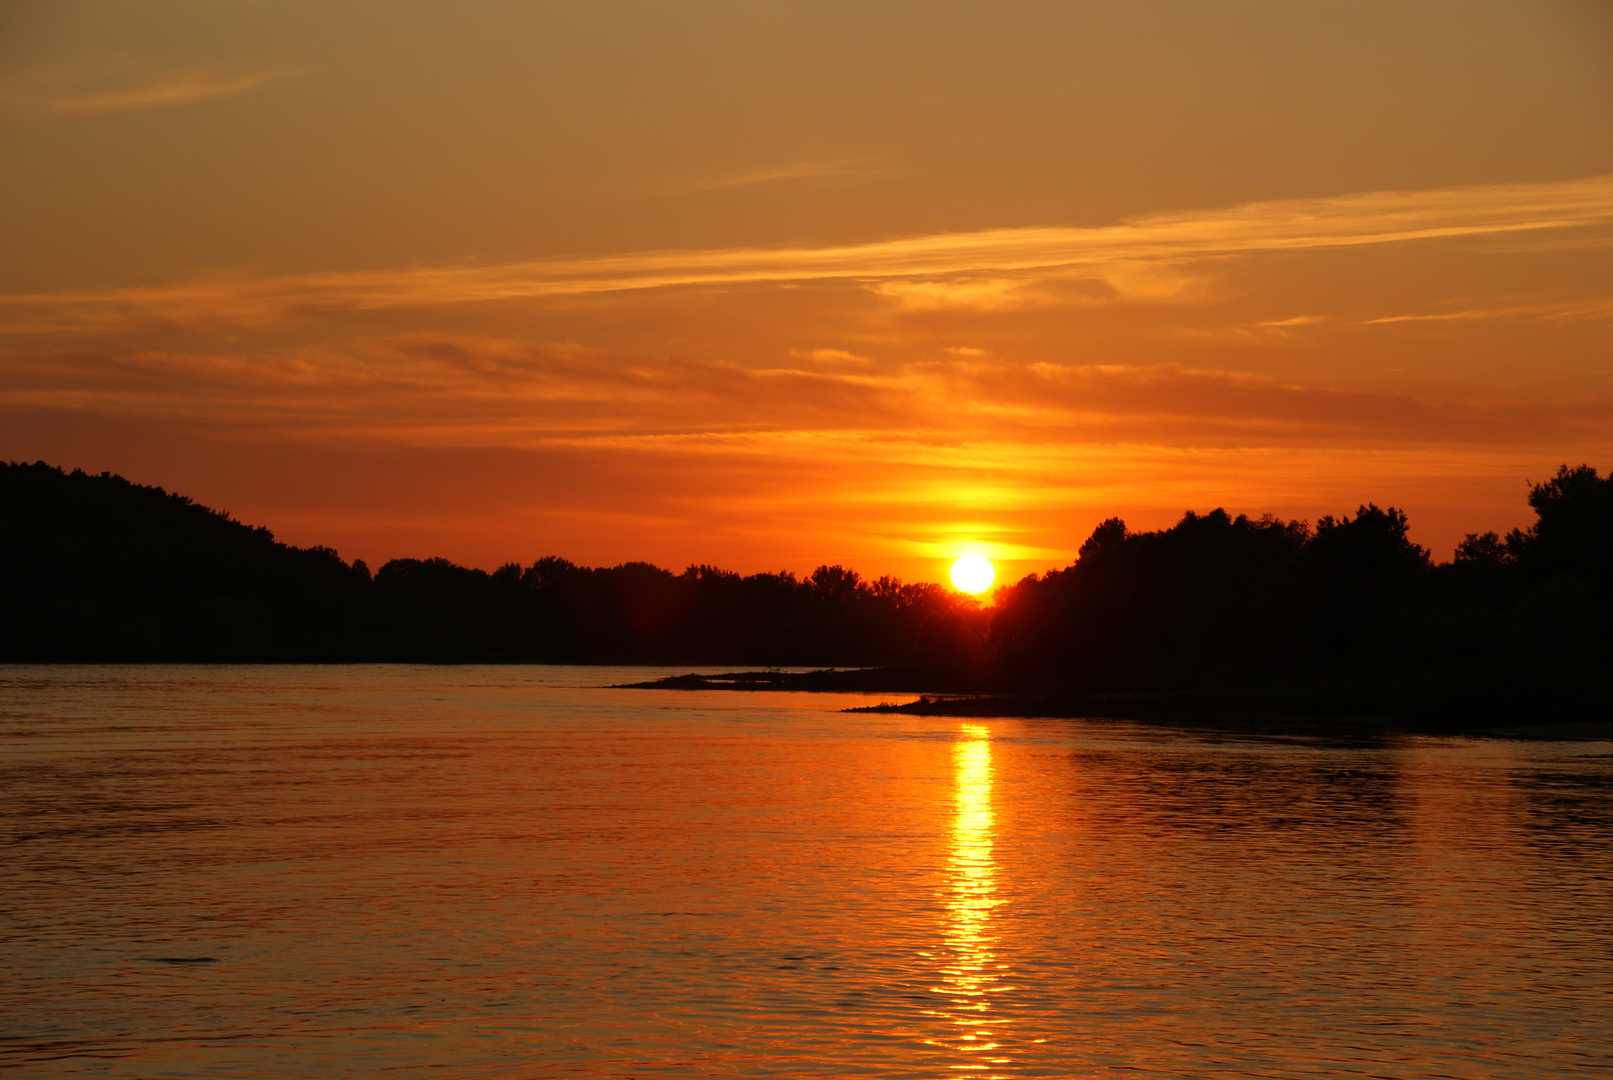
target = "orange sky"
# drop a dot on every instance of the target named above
(773, 285)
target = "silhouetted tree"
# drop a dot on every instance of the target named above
(1574, 530)
(1487, 549)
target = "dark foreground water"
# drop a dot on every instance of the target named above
(462, 872)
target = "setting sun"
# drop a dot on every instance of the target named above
(973, 574)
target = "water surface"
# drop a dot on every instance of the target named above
(508, 871)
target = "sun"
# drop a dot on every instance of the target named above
(973, 574)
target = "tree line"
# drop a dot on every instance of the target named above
(96, 568)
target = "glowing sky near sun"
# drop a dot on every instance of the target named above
(772, 285)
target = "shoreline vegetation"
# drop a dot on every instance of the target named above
(1346, 621)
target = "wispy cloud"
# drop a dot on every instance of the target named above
(1600, 308)
(119, 83)
(462, 390)
(832, 357)
(970, 293)
(174, 90)
(865, 168)
(1296, 320)
(981, 268)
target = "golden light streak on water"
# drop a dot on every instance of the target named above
(972, 974)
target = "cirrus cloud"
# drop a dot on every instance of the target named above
(991, 268)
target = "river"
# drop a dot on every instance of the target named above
(513, 871)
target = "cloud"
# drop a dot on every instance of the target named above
(971, 294)
(832, 357)
(840, 168)
(1296, 320)
(118, 84)
(1601, 308)
(1140, 258)
(429, 389)
(176, 90)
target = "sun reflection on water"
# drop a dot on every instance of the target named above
(972, 974)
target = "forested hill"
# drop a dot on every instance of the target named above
(97, 568)
(1347, 615)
